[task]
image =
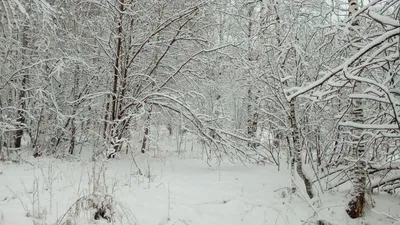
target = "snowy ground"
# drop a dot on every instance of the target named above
(173, 191)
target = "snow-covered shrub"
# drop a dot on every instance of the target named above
(97, 207)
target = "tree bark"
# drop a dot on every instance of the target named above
(252, 121)
(74, 110)
(359, 176)
(112, 108)
(117, 65)
(145, 140)
(21, 120)
(297, 150)
(73, 137)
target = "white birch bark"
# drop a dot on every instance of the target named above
(356, 203)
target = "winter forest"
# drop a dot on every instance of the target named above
(194, 112)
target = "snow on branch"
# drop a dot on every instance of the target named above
(386, 180)
(370, 97)
(369, 126)
(377, 41)
(383, 19)
(21, 8)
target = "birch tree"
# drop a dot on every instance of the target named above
(356, 204)
(363, 77)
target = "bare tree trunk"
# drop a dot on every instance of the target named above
(117, 66)
(291, 159)
(252, 121)
(318, 148)
(22, 93)
(112, 108)
(73, 137)
(357, 201)
(1, 144)
(145, 140)
(297, 150)
(106, 116)
(74, 110)
(359, 176)
(21, 116)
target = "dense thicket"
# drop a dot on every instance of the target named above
(315, 81)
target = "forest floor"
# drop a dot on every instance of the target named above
(173, 190)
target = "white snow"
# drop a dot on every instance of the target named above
(174, 191)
